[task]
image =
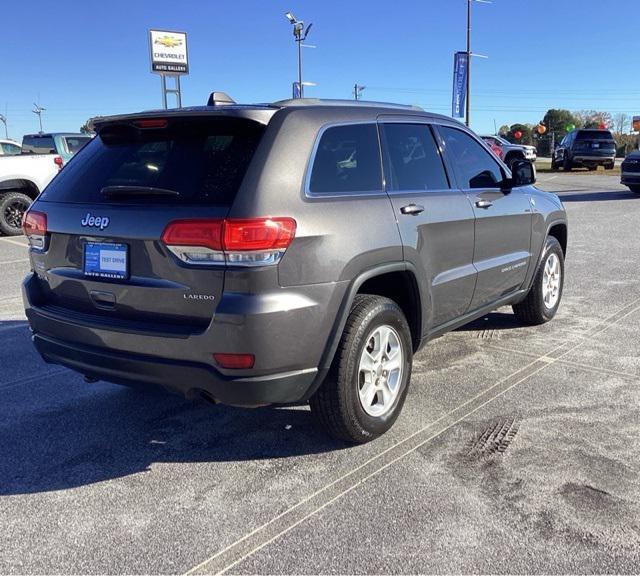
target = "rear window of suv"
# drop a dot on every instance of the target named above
(202, 161)
(594, 135)
(38, 145)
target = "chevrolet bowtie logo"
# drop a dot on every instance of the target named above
(169, 41)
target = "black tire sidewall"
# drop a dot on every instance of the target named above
(384, 313)
(552, 247)
(6, 199)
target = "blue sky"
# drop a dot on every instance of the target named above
(85, 57)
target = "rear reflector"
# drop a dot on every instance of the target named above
(248, 242)
(234, 361)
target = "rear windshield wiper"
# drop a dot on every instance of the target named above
(111, 191)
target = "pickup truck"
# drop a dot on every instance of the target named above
(24, 176)
(508, 152)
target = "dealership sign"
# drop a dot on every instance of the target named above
(168, 51)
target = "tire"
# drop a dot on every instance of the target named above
(554, 166)
(592, 168)
(13, 205)
(337, 404)
(609, 166)
(567, 164)
(634, 189)
(512, 158)
(533, 309)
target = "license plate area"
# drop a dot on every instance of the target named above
(106, 260)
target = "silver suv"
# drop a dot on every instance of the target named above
(293, 252)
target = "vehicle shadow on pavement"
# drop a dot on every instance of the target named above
(59, 433)
(492, 321)
(598, 196)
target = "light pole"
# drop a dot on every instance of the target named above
(357, 91)
(37, 109)
(300, 35)
(3, 119)
(469, 54)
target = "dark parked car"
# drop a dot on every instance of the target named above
(630, 170)
(294, 252)
(585, 148)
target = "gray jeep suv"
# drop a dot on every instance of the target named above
(293, 252)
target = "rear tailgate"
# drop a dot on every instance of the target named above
(103, 260)
(595, 143)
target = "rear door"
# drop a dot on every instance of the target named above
(106, 212)
(436, 220)
(502, 250)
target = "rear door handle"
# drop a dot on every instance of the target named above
(412, 209)
(484, 204)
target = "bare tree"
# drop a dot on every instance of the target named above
(621, 122)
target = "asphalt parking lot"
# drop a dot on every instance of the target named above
(517, 451)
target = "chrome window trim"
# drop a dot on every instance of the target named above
(312, 157)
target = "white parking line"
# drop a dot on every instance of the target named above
(257, 539)
(16, 242)
(14, 261)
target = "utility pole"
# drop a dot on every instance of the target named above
(38, 110)
(469, 55)
(468, 99)
(3, 119)
(300, 35)
(357, 91)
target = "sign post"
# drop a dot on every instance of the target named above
(168, 56)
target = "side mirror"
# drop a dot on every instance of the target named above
(523, 173)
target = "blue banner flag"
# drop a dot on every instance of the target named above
(460, 71)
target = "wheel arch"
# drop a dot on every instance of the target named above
(559, 231)
(397, 281)
(22, 185)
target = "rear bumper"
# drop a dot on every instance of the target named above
(593, 160)
(189, 379)
(632, 178)
(287, 334)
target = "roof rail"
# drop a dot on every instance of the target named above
(331, 102)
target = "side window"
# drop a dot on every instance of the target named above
(412, 158)
(476, 166)
(347, 160)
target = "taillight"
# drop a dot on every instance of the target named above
(34, 226)
(247, 242)
(57, 160)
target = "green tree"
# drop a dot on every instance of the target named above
(87, 127)
(556, 121)
(526, 131)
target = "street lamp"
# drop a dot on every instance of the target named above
(469, 54)
(37, 109)
(300, 35)
(3, 119)
(357, 90)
